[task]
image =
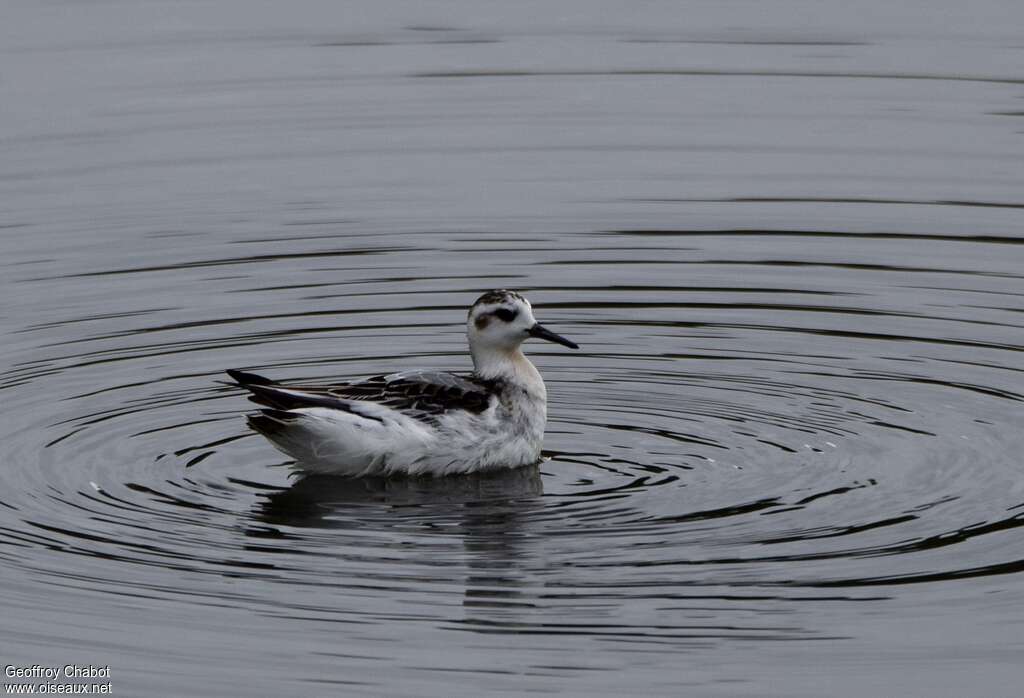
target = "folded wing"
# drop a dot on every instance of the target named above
(423, 395)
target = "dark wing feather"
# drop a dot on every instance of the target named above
(424, 395)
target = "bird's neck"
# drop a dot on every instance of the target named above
(510, 366)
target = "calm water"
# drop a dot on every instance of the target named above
(787, 461)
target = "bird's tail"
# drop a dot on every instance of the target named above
(245, 378)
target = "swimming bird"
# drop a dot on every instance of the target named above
(420, 422)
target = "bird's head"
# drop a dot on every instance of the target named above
(499, 321)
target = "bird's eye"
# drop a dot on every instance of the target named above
(506, 314)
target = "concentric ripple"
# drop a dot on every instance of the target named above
(791, 438)
(724, 460)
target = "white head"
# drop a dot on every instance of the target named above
(499, 321)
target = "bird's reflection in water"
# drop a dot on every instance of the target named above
(486, 516)
(314, 500)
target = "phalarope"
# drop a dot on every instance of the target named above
(420, 422)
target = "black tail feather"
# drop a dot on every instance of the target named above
(270, 397)
(245, 378)
(270, 422)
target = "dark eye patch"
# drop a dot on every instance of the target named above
(505, 314)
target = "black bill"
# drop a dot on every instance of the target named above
(541, 332)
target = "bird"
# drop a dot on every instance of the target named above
(418, 422)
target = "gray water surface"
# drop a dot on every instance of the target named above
(788, 236)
